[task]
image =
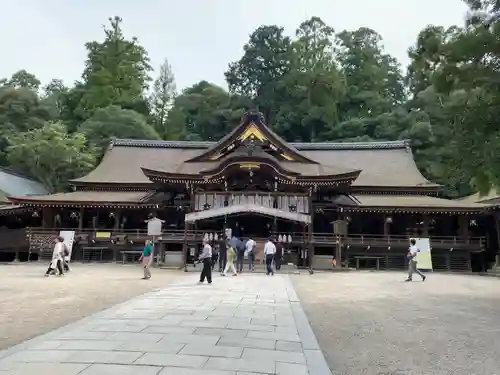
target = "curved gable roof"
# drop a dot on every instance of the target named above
(383, 164)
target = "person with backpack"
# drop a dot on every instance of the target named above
(66, 258)
(57, 257)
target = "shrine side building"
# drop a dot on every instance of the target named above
(257, 184)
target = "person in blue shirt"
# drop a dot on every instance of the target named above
(239, 247)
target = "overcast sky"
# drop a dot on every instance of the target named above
(199, 37)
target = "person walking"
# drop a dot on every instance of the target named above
(230, 262)
(412, 262)
(250, 246)
(147, 259)
(269, 251)
(66, 258)
(215, 255)
(57, 257)
(206, 258)
(239, 247)
(278, 257)
(222, 254)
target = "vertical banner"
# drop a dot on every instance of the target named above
(424, 255)
(69, 239)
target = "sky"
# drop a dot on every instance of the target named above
(198, 37)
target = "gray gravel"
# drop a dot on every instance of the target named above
(370, 323)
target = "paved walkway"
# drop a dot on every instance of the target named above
(245, 325)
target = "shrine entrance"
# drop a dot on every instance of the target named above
(257, 222)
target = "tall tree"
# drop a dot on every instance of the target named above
(470, 76)
(24, 80)
(374, 81)
(51, 155)
(265, 61)
(162, 99)
(312, 87)
(116, 72)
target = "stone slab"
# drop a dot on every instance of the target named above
(172, 360)
(240, 326)
(119, 370)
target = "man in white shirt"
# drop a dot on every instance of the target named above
(269, 251)
(206, 259)
(412, 261)
(250, 246)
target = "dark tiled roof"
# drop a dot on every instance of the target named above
(89, 197)
(202, 145)
(383, 164)
(415, 201)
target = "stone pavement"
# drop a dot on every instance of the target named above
(245, 325)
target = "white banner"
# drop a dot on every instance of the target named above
(424, 255)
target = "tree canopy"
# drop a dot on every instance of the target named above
(319, 84)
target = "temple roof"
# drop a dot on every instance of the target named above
(413, 203)
(492, 198)
(383, 164)
(124, 199)
(12, 183)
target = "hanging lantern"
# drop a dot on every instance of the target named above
(205, 237)
(280, 238)
(289, 239)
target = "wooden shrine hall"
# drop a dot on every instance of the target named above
(257, 184)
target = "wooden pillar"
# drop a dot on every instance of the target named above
(463, 227)
(387, 225)
(47, 217)
(118, 218)
(185, 245)
(80, 218)
(425, 226)
(310, 232)
(497, 230)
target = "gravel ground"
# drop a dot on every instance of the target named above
(31, 304)
(372, 323)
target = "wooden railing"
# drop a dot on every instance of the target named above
(319, 239)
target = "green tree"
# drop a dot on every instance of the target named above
(21, 110)
(24, 80)
(115, 122)
(373, 78)
(265, 61)
(162, 99)
(116, 73)
(469, 77)
(312, 87)
(206, 112)
(51, 155)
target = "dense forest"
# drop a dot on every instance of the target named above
(317, 85)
